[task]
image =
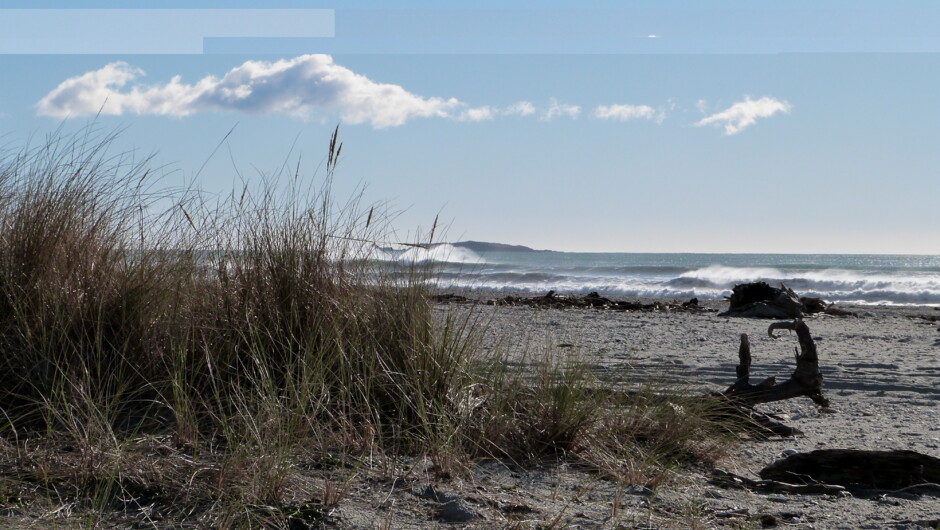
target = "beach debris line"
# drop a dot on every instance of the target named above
(760, 300)
(592, 300)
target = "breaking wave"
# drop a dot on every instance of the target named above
(443, 253)
(564, 273)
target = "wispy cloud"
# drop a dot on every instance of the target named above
(745, 113)
(487, 112)
(521, 108)
(300, 87)
(556, 110)
(627, 112)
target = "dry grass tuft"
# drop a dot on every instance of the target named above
(182, 366)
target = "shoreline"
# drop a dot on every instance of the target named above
(483, 295)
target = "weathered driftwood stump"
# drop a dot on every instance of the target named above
(760, 300)
(805, 381)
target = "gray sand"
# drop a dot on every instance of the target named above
(882, 376)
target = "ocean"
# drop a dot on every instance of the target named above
(867, 279)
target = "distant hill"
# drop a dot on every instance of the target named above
(481, 246)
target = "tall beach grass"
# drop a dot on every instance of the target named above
(165, 352)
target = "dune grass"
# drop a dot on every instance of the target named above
(170, 358)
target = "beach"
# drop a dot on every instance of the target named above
(882, 377)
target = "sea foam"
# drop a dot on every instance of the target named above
(856, 279)
(442, 253)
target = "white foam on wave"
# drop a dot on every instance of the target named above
(839, 279)
(371, 252)
(903, 287)
(722, 275)
(443, 253)
(715, 282)
(605, 286)
(822, 280)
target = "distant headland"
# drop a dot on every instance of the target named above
(482, 246)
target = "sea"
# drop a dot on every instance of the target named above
(861, 279)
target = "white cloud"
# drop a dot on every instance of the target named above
(477, 114)
(298, 87)
(557, 109)
(745, 113)
(625, 112)
(522, 108)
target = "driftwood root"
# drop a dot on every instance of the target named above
(806, 379)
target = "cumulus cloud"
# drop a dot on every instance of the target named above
(745, 113)
(625, 112)
(521, 108)
(557, 109)
(300, 87)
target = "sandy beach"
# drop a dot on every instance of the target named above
(882, 376)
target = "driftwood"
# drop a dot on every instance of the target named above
(594, 300)
(756, 423)
(741, 397)
(730, 480)
(805, 380)
(760, 300)
(828, 471)
(854, 468)
(837, 471)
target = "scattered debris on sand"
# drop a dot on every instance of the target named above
(593, 300)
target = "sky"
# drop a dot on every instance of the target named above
(729, 126)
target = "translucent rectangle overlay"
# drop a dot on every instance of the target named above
(269, 45)
(150, 31)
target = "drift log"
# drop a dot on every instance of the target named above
(759, 300)
(884, 470)
(805, 380)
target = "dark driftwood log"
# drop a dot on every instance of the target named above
(759, 300)
(805, 380)
(884, 470)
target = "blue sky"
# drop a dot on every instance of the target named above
(739, 127)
